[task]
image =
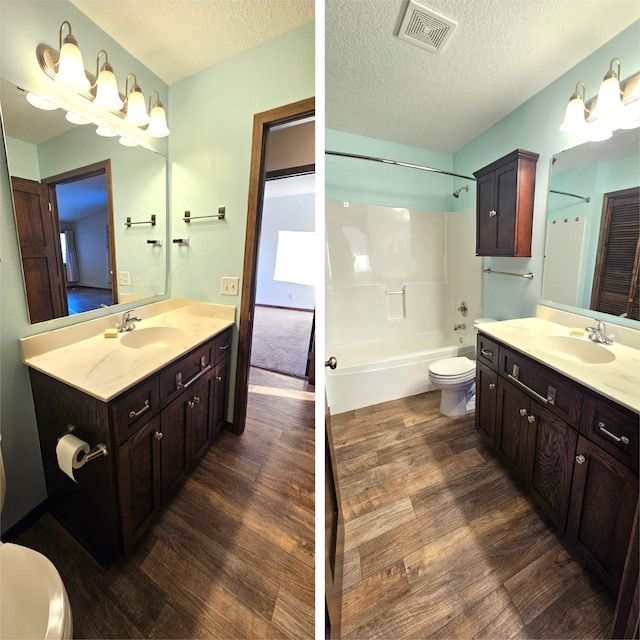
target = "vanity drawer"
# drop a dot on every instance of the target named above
(559, 394)
(222, 345)
(185, 372)
(487, 351)
(613, 428)
(132, 409)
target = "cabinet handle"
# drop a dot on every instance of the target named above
(535, 394)
(191, 404)
(623, 439)
(186, 385)
(580, 459)
(196, 399)
(137, 414)
(486, 353)
(224, 347)
(531, 419)
(492, 213)
(492, 385)
(158, 435)
(219, 378)
(523, 412)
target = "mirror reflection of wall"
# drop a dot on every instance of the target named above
(580, 179)
(115, 263)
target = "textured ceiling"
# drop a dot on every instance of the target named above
(501, 53)
(177, 38)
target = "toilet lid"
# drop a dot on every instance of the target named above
(452, 367)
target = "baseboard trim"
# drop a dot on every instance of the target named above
(275, 306)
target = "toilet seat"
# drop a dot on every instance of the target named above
(457, 369)
(34, 602)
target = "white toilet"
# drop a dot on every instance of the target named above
(456, 377)
(34, 602)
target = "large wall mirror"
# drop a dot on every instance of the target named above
(73, 192)
(592, 249)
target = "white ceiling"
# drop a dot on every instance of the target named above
(501, 53)
(177, 38)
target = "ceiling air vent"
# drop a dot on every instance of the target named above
(425, 28)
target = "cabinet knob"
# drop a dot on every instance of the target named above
(492, 386)
(580, 459)
(157, 435)
(523, 412)
(531, 419)
(196, 399)
(191, 404)
(219, 378)
(492, 213)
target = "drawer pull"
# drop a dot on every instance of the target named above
(492, 385)
(580, 459)
(622, 439)
(486, 353)
(523, 412)
(219, 378)
(224, 347)
(535, 394)
(158, 435)
(492, 213)
(531, 419)
(186, 385)
(137, 414)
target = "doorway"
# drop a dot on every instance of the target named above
(263, 124)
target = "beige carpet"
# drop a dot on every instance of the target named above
(281, 340)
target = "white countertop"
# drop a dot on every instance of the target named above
(618, 380)
(80, 355)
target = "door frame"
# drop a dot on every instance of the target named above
(88, 171)
(262, 123)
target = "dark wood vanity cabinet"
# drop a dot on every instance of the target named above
(504, 205)
(574, 452)
(154, 432)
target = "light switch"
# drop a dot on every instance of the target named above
(229, 286)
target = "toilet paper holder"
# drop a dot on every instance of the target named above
(97, 451)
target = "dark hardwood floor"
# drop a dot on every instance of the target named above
(440, 542)
(232, 556)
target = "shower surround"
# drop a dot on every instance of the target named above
(394, 280)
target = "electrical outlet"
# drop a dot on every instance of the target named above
(229, 287)
(124, 278)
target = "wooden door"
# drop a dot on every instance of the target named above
(615, 280)
(139, 481)
(549, 468)
(40, 251)
(604, 496)
(512, 427)
(486, 396)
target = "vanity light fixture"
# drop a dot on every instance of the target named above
(135, 107)
(107, 94)
(127, 142)
(76, 118)
(39, 102)
(70, 67)
(157, 118)
(106, 133)
(574, 116)
(609, 103)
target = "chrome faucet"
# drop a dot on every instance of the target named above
(128, 322)
(597, 333)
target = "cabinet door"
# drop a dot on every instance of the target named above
(486, 219)
(550, 455)
(220, 392)
(603, 502)
(176, 446)
(139, 481)
(198, 417)
(506, 185)
(512, 427)
(486, 396)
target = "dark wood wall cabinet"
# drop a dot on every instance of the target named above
(504, 205)
(155, 433)
(574, 451)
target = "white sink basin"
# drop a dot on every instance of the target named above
(575, 349)
(156, 337)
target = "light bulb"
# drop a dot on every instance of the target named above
(158, 122)
(574, 121)
(70, 71)
(136, 108)
(107, 94)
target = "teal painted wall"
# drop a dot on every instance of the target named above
(24, 159)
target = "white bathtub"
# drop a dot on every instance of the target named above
(379, 371)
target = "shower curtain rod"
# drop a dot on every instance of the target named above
(396, 162)
(573, 195)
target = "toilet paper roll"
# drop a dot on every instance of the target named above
(70, 452)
